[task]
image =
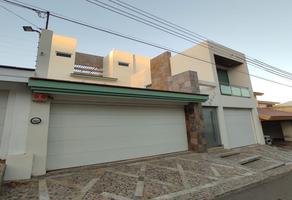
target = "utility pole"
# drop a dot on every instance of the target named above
(48, 18)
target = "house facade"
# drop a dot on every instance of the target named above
(230, 115)
(77, 109)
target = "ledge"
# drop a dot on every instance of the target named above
(102, 78)
(51, 86)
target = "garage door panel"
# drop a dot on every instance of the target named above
(69, 144)
(239, 127)
(90, 134)
(97, 132)
(3, 105)
(107, 155)
(114, 120)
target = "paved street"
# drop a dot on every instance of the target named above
(278, 189)
(181, 176)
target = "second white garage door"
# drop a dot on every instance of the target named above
(239, 127)
(89, 134)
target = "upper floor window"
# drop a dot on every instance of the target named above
(123, 64)
(63, 54)
(223, 76)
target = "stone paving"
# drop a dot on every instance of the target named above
(176, 177)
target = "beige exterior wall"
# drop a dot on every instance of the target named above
(209, 83)
(49, 65)
(181, 63)
(284, 108)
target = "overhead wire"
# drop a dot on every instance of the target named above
(78, 22)
(254, 62)
(19, 16)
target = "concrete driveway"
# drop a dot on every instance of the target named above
(180, 176)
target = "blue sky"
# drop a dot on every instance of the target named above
(260, 29)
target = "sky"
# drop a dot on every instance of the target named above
(261, 29)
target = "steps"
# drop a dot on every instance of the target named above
(249, 160)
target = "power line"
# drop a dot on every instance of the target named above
(177, 27)
(40, 10)
(155, 18)
(74, 21)
(20, 17)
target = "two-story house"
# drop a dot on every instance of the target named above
(77, 109)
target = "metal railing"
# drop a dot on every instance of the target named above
(87, 70)
(232, 90)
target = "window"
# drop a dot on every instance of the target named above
(123, 64)
(223, 76)
(63, 54)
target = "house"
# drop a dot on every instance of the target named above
(287, 106)
(76, 109)
(230, 114)
(276, 120)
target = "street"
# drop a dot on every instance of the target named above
(278, 189)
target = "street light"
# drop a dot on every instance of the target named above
(30, 29)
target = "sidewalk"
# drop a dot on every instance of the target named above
(180, 176)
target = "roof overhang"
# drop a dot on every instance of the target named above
(51, 86)
(268, 114)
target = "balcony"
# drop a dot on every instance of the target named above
(232, 90)
(84, 70)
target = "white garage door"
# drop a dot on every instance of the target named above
(3, 105)
(89, 134)
(239, 127)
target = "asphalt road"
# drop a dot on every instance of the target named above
(278, 189)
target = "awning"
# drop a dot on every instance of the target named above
(52, 86)
(271, 114)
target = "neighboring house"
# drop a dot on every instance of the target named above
(276, 122)
(284, 106)
(77, 109)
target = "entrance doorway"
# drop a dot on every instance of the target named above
(211, 129)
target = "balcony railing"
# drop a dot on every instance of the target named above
(234, 91)
(87, 70)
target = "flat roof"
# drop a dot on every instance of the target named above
(18, 68)
(271, 114)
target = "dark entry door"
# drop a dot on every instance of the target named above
(211, 128)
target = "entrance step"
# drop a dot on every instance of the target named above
(249, 160)
(277, 165)
(228, 154)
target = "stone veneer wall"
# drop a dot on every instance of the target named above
(88, 60)
(160, 71)
(183, 82)
(2, 170)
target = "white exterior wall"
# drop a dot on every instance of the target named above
(14, 134)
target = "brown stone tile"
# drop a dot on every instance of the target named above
(168, 162)
(130, 169)
(196, 180)
(202, 168)
(62, 190)
(153, 189)
(163, 175)
(20, 191)
(115, 183)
